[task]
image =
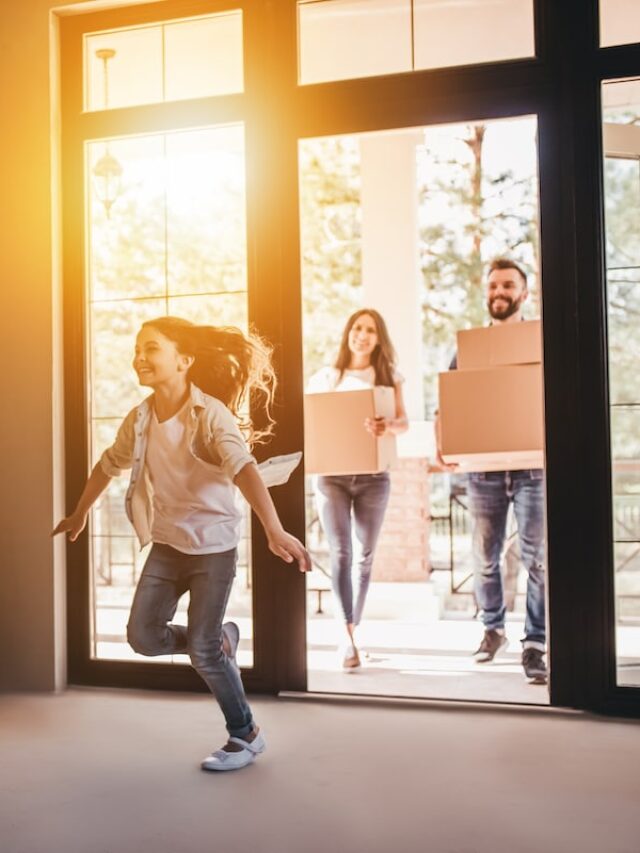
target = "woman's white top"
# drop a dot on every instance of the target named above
(326, 379)
(195, 507)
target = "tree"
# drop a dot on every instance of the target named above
(330, 223)
(469, 213)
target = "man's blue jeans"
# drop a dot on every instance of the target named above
(366, 495)
(489, 497)
(208, 578)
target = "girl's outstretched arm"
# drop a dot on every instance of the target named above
(74, 524)
(281, 543)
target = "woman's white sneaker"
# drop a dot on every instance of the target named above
(351, 659)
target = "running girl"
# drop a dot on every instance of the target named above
(186, 453)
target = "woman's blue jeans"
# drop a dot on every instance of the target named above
(364, 498)
(489, 497)
(208, 578)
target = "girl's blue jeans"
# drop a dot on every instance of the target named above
(489, 497)
(208, 578)
(363, 498)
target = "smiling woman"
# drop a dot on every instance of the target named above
(365, 359)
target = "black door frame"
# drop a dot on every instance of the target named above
(562, 87)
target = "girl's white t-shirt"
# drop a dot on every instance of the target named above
(195, 505)
(326, 379)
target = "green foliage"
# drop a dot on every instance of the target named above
(149, 258)
(330, 224)
(469, 213)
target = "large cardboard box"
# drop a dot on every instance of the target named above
(504, 343)
(335, 440)
(492, 419)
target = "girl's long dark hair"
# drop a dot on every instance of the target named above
(228, 365)
(383, 358)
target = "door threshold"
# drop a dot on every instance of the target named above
(383, 700)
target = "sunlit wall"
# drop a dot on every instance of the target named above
(32, 569)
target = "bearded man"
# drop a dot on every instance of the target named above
(490, 494)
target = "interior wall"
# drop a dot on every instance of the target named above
(32, 628)
(32, 570)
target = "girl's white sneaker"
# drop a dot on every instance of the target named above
(232, 634)
(223, 760)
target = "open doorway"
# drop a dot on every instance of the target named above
(406, 222)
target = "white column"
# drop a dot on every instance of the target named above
(390, 264)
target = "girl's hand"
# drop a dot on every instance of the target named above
(288, 548)
(376, 426)
(73, 525)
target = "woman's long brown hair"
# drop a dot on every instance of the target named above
(228, 365)
(383, 358)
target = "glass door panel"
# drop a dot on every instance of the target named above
(166, 234)
(621, 115)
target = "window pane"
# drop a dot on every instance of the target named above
(621, 138)
(340, 39)
(123, 68)
(193, 58)
(206, 221)
(126, 240)
(166, 234)
(204, 57)
(168, 214)
(463, 32)
(219, 309)
(622, 177)
(619, 22)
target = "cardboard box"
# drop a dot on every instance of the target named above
(492, 419)
(502, 344)
(335, 440)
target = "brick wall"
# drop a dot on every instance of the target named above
(403, 548)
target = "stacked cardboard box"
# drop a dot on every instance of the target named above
(335, 439)
(491, 408)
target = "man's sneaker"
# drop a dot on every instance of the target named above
(534, 666)
(492, 643)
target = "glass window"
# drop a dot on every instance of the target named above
(166, 235)
(204, 57)
(460, 32)
(621, 139)
(340, 39)
(193, 58)
(619, 22)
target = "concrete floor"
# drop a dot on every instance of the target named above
(422, 661)
(105, 771)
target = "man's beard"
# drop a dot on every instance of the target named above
(510, 308)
